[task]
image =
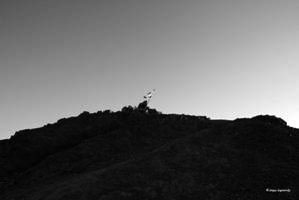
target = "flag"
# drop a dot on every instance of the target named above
(149, 95)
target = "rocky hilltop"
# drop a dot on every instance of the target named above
(139, 153)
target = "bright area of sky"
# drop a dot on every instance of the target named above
(223, 59)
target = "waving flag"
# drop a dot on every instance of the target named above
(149, 95)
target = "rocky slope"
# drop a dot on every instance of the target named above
(143, 154)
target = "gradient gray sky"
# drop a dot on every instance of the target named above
(223, 59)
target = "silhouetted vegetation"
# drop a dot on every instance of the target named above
(140, 153)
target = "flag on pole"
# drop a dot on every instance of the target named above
(149, 95)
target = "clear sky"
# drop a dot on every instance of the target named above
(223, 59)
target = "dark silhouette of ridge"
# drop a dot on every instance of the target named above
(140, 153)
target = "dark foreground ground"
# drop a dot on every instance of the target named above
(133, 154)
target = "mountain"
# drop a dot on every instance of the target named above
(139, 153)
